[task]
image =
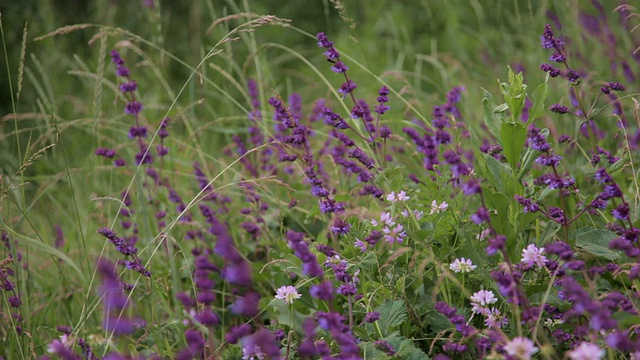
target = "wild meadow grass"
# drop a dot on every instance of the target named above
(198, 180)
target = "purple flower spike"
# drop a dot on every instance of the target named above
(323, 41)
(122, 71)
(482, 215)
(547, 40)
(347, 87)
(310, 266)
(137, 132)
(130, 86)
(372, 317)
(621, 212)
(115, 58)
(340, 227)
(496, 244)
(339, 67)
(471, 187)
(322, 291)
(612, 87)
(559, 109)
(133, 108)
(528, 204)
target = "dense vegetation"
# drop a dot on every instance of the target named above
(339, 180)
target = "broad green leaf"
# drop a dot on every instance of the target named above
(392, 314)
(595, 242)
(426, 226)
(479, 156)
(285, 314)
(626, 320)
(514, 136)
(529, 158)
(539, 95)
(495, 172)
(542, 297)
(492, 119)
(438, 322)
(499, 220)
(370, 260)
(371, 353)
(408, 351)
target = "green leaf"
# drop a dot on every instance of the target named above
(513, 136)
(514, 94)
(617, 167)
(541, 297)
(371, 353)
(549, 232)
(437, 322)
(625, 320)
(499, 220)
(408, 351)
(426, 226)
(595, 242)
(496, 171)
(499, 109)
(492, 119)
(539, 95)
(392, 314)
(285, 314)
(369, 261)
(527, 162)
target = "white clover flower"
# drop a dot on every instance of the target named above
(385, 219)
(400, 196)
(520, 347)
(484, 297)
(462, 265)
(58, 346)
(533, 256)
(481, 299)
(362, 245)
(396, 234)
(436, 209)
(549, 322)
(418, 214)
(495, 319)
(586, 351)
(484, 234)
(287, 293)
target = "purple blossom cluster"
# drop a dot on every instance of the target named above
(115, 301)
(549, 41)
(429, 143)
(7, 281)
(133, 108)
(300, 247)
(340, 268)
(127, 249)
